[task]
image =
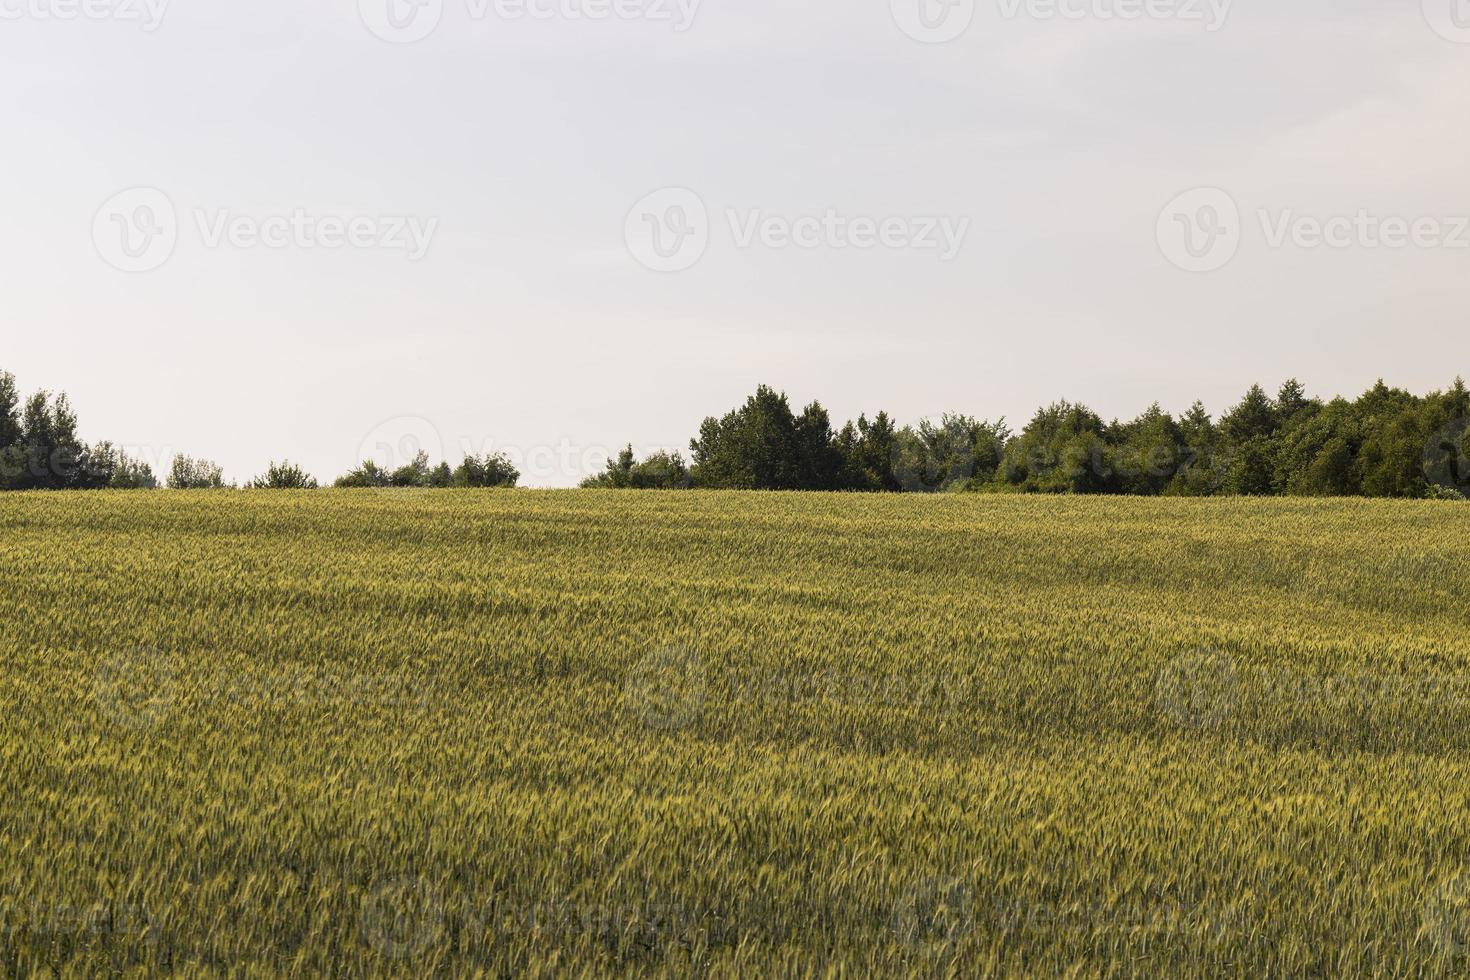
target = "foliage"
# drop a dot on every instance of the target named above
(660, 471)
(283, 476)
(116, 470)
(1386, 443)
(188, 473)
(489, 471)
(764, 446)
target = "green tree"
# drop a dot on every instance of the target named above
(1147, 452)
(112, 468)
(283, 476)
(660, 471)
(188, 473)
(47, 455)
(959, 453)
(1063, 449)
(1254, 418)
(10, 427)
(764, 446)
(868, 451)
(367, 476)
(1201, 465)
(491, 470)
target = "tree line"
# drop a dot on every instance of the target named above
(1386, 443)
(40, 450)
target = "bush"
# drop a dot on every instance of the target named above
(283, 476)
(660, 471)
(491, 470)
(114, 469)
(368, 476)
(188, 473)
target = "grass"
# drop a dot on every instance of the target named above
(572, 733)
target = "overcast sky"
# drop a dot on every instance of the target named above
(292, 229)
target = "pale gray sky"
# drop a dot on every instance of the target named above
(498, 293)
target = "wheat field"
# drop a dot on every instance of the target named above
(538, 734)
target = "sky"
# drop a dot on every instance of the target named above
(334, 229)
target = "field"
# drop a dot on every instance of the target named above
(571, 733)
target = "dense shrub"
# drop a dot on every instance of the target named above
(660, 471)
(188, 473)
(283, 476)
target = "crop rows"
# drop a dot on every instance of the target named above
(700, 734)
